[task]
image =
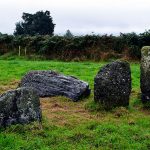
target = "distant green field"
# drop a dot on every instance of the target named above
(76, 126)
(15, 69)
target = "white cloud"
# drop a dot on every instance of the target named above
(81, 16)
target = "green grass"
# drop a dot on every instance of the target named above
(69, 125)
(15, 69)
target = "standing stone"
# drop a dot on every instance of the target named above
(19, 106)
(112, 85)
(50, 83)
(145, 74)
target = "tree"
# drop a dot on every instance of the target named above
(68, 34)
(40, 23)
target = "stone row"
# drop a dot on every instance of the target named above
(112, 88)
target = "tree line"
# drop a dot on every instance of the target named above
(88, 47)
(34, 35)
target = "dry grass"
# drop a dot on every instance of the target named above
(62, 111)
(10, 86)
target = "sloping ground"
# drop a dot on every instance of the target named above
(67, 125)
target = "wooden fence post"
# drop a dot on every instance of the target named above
(19, 51)
(25, 51)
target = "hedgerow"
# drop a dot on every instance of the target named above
(88, 47)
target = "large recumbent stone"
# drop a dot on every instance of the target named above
(112, 85)
(50, 83)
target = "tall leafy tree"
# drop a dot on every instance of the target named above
(40, 23)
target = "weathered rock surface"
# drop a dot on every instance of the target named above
(19, 106)
(145, 74)
(50, 83)
(112, 85)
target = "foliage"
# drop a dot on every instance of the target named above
(40, 23)
(68, 34)
(88, 47)
(6, 43)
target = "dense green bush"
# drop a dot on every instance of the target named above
(92, 47)
(6, 43)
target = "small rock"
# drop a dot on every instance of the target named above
(50, 83)
(112, 85)
(19, 106)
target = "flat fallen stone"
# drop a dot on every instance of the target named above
(145, 74)
(50, 83)
(112, 85)
(19, 106)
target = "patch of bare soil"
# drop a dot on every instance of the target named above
(61, 111)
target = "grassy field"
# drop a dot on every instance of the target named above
(76, 126)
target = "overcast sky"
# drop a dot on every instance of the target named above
(81, 16)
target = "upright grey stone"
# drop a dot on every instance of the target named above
(50, 83)
(145, 74)
(112, 85)
(19, 106)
